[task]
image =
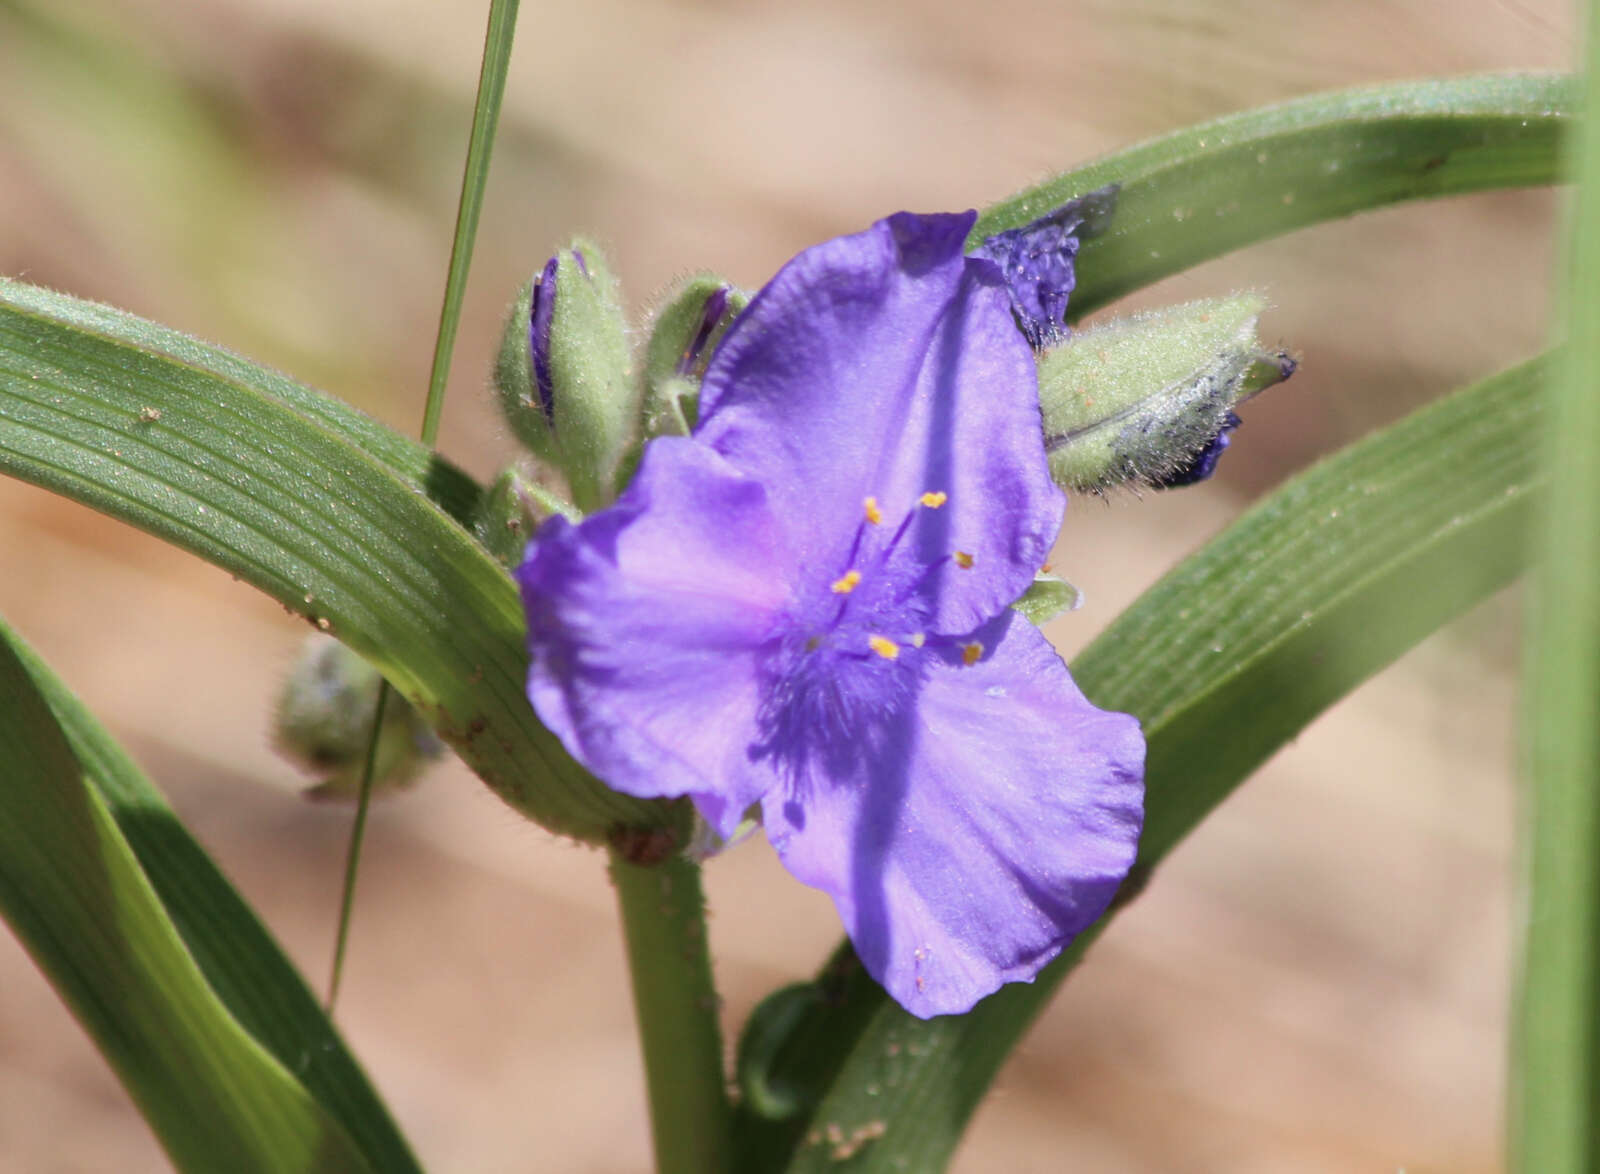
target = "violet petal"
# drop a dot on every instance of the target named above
(985, 830)
(648, 615)
(885, 365)
(1038, 261)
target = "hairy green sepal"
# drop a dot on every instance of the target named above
(1135, 400)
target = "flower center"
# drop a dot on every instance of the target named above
(852, 651)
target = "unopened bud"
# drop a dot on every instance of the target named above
(682, 340)
(686, 331)
(563, 375)
(1149, 400)
(324, 720)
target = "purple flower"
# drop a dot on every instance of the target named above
(805, 605)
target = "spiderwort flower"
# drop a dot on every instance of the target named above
(804, 605)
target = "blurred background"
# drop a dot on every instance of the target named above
(1315, 982)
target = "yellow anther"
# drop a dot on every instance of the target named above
(874, 514)
(846, 582)
(884, 647)
(971, 652)
(919, 640)
(963, 560)
(933, 499)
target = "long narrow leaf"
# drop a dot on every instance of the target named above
(1224, 660)
(1555, 1079)
(1209, 189)
(241, 962)
(428, 472)
(73, 890)
(216, 466)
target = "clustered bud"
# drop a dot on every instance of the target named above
(567, 385)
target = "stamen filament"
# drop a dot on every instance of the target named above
(916, 584)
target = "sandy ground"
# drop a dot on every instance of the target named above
(1315, 982)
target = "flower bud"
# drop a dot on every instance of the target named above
(324, 718)
(1149, 399)
(563, 373)
(682, 340)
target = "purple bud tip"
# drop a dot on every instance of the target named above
(541, 315)
(1037, 262)
(1203, 463)
(710, 314)
(583, 266)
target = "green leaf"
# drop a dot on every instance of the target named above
(74, 889)
(216, 464)
(241, 961)
(1224, 660)
(1554, 1115)
(426, 471)
(1209, 189)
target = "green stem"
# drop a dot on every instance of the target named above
(352, 856)
(675, 1001)
(475, 178)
